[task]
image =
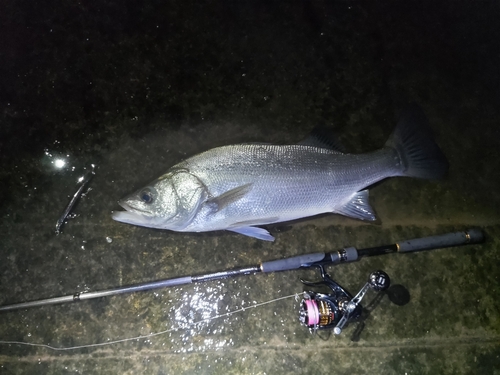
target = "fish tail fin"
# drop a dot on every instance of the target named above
(412, 139)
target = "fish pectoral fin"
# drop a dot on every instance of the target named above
(229, 197)
(358, 207)
(255, 232)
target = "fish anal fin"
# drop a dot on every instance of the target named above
(358, 207)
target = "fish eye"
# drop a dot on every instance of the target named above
(146, 196)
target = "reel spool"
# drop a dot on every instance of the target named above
(335, 310)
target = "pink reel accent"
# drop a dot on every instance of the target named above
(312, 312)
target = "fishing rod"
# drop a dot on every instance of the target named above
(317, 311)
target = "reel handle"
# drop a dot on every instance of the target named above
(378, 281)
(473, 235)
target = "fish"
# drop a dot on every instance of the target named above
(241, 187)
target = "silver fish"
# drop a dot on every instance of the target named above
(241, 186)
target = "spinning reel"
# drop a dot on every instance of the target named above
(335, 310)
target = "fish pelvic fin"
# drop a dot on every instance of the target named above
(255, 232)
(358, 207)
(412, 139)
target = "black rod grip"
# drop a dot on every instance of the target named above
(291, 263)
(440, 241)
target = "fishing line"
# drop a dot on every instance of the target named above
(206, 320)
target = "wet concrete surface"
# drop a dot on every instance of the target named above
(136, 88)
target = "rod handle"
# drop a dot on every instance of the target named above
(468, 236)
(291, 263)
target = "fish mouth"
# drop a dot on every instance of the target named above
(131, 209)
(132, 215)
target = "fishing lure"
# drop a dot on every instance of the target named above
(84, 181)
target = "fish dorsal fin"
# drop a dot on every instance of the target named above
(229, 197)
(322, 137)
(358, 207)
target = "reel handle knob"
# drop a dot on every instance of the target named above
(379, 280)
